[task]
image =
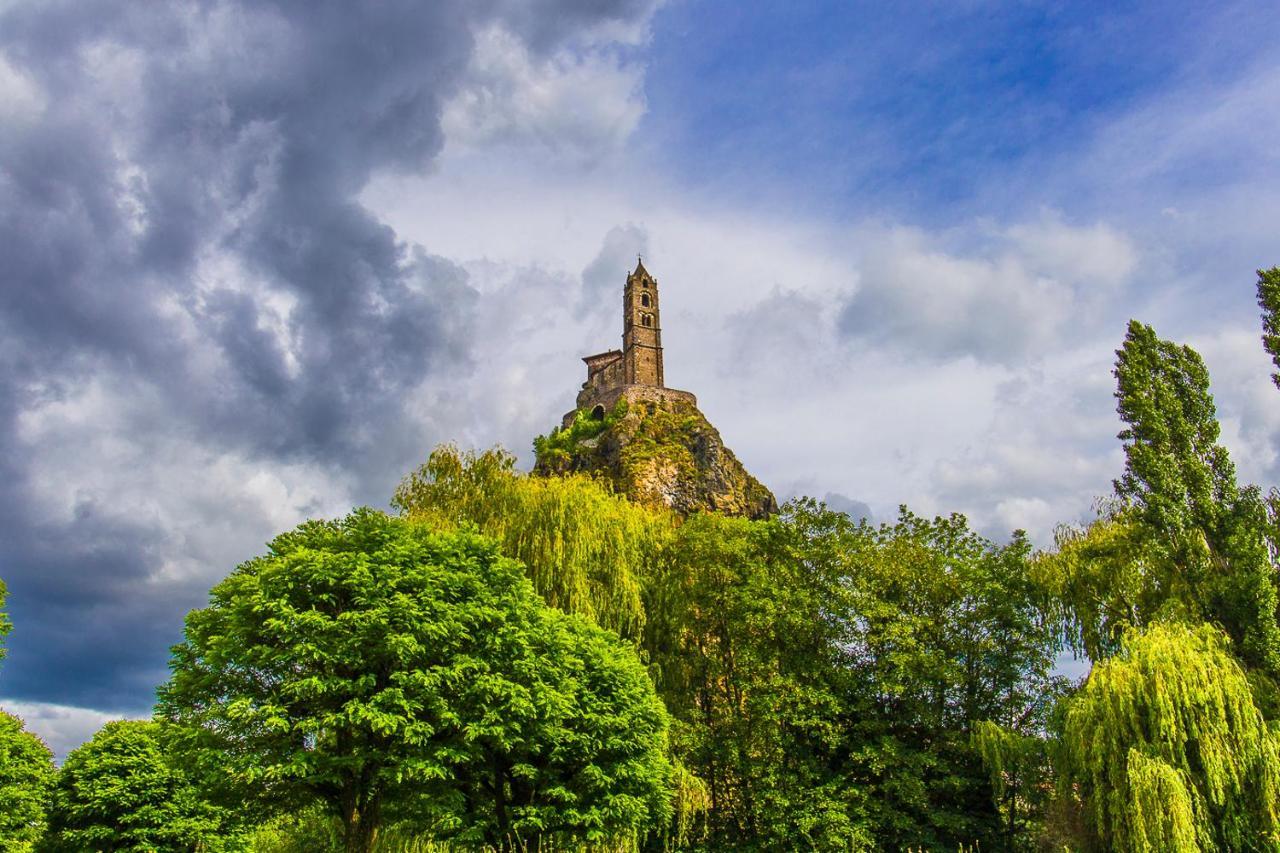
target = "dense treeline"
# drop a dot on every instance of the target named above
(523, 662)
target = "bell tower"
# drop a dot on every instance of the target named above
(641, 331)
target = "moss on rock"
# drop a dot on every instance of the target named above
(657, 453)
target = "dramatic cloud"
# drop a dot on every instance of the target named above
(260, 257)
(205, 336)
(570, 103)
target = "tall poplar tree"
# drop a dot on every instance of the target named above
(1180, 484)
(1175, 470)
(1269, 302)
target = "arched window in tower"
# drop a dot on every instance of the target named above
(644, 282)
(646, 319)
(644, 300)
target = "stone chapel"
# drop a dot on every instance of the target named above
(633, 373)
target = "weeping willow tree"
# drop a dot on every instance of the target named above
(1103, 580)
(1166, 749)
(587, 549)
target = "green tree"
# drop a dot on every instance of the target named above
(1102, 580)
(120, 791)
(1180, 483)
(743, 635)
(372, 665)
(5, 625)
(828, 677)
(1269, 302)
(1167, 751)
(945, 632)
(587, 550)
(26, 772)
(1176, 473)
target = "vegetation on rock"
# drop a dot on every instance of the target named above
(662, 454)
(557, 449)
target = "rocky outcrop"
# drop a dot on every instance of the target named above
(659, 451)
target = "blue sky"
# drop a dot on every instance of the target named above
(261, 257)
(915, 107)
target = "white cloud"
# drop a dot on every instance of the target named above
(581, 103)
(751, 302)
(1090, 257)
(1002, 296)
(1248, 403)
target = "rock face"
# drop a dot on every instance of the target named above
(659, 450)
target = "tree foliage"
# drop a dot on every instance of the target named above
(743, 637)
(1176, 473)
(587, 550)
(1104, 579)
(945, 631)
(1167, 750)
(1218, 539)
(1269, 302)
(827, 676)
(121, 791)
(371, 664)
(26, 772)
(5, 625)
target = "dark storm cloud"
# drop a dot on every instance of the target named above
(181, 219)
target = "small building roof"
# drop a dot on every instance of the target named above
(602, 357)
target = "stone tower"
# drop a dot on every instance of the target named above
(651, 443)
(633, 373)
(641, 330)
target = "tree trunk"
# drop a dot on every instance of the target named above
(505, 842)
(360, 825)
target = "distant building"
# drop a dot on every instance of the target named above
(635, 371)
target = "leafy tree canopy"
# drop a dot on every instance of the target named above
(5, 625)
(1175, 470)
(26, 772)
(1167, 751)
(1269, 302)
(945, 630)
(371, 664)
(587, 550)
(1116, 574)
(1217, 539)
(827, 675)
(747, 652)
(120, 791)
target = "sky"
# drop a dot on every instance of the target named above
(259, 258)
